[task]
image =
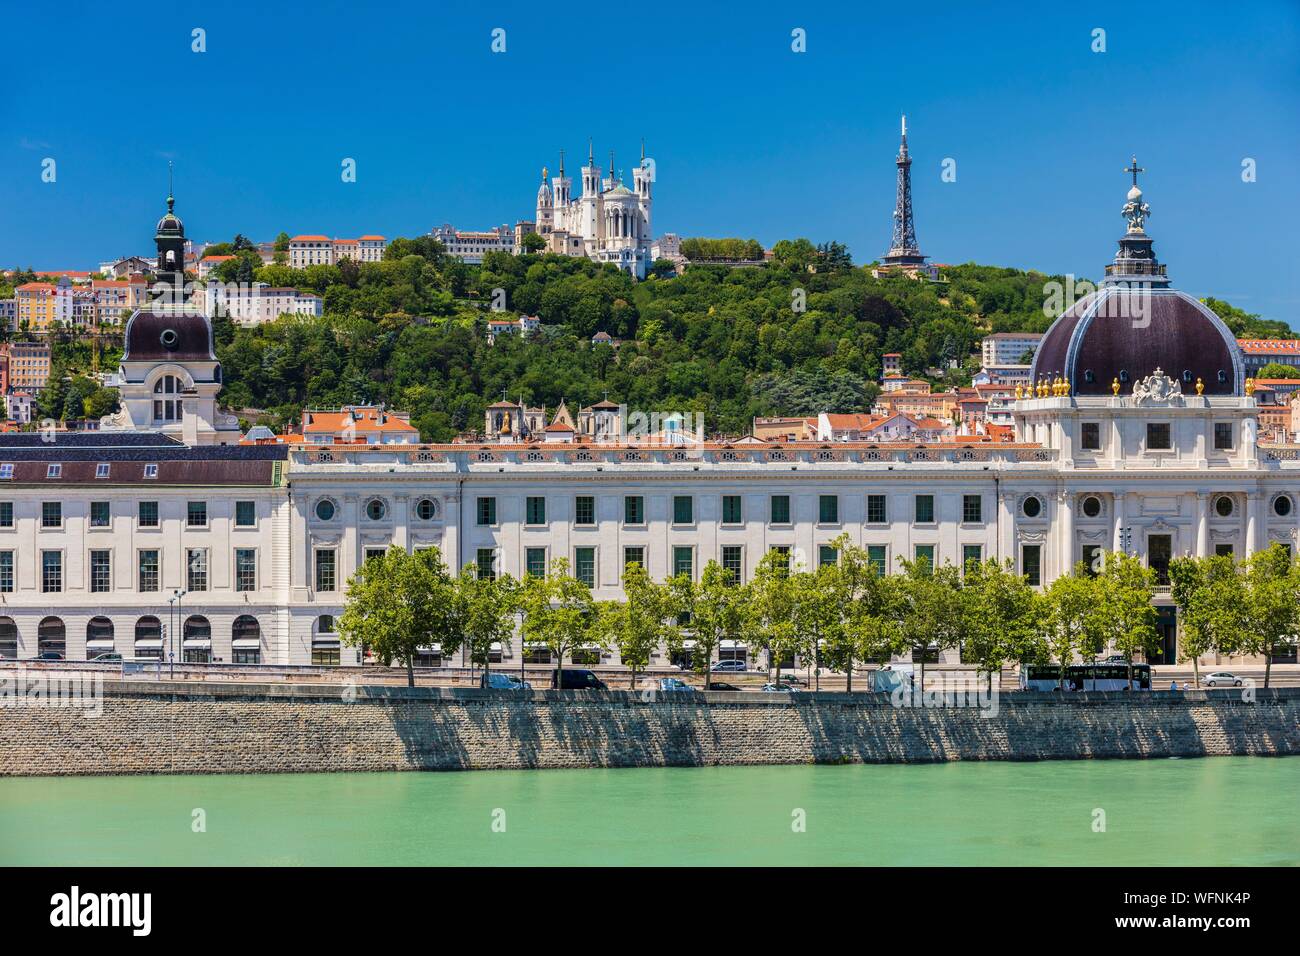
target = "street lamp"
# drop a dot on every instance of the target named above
(174, 604)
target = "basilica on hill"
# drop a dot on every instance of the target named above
(167, 533)
(608, 222)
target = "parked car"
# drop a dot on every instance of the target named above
(781, 688)
(49, 656)
(1116, 659)
(728, 667)
(500, 681)
(1221, 679)
(108, 657)
(722, 685)
(675, 685)
(580, 680)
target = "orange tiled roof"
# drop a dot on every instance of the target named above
(1269, 345)
(310, 239)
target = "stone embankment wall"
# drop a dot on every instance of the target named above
(152, 727)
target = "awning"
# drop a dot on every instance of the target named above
(197, 645)
(243, 643)
(740, 644)
(148, 643)
(100, 645)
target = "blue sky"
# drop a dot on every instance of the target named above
(750, 139)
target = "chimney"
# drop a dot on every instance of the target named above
(190, 419)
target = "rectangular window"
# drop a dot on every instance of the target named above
(684, 561)
(6, 572)
(584, 510)
(633, 556)
(486, 562)
(783, 551)
(876, 513)
(925, 509)
(148, 514)
(1090, 436)
(731, 509)
(102, 470)
(535, 562)
(326, 567)
(487, 511)
(972, 509)
(1223, 436)
(827, 556)
(1223, 550)
(51, 571)
(878, 558)
(101, 573)
(196, 569)
(925, 554)
(1158, 436)
(1031, 564)
(51, 514)
(1159, 553)
(148, 571)
(780, 509)
(971, 554)
(245, 514)
(1092, 560)
(828, 509)
(7, 470)
(151, 471)
(634, 510)
(733, 560)
(6, 514)
(584, 565)
(245, 569)
(196, 514)
(535, 510)
(99, 514)
(683, 509)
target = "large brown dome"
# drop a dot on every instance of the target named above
(1125, 333)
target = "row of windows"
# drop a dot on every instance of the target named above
(51, 636)
(196, 514)
(376, 509)
(731, 558)
(148, 563)
(103, 469)
(828, 509)
(1159, 436)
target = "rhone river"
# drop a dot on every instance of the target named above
(1215, 811)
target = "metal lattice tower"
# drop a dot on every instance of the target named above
(903, 249)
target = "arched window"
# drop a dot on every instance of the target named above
(246, 640)
(166, 399)
(8, 637)
(51, 639)
(99, 637)
(148, 638)
(196, 640)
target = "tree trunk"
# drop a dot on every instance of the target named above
(1268, 664)
(410, 670)
(555, 680)
(848, 676)
(1196, 670)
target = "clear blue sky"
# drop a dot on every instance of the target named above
(750, 139)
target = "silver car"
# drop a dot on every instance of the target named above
(1221, 679)
(674, 685)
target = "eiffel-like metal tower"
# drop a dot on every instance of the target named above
(903, 249)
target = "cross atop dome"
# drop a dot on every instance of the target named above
(1134, 169)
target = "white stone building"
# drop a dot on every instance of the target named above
(258, 303)
(608, 222)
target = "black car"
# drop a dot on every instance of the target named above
(720, 685)
(580, 680)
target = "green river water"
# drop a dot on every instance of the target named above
(1215, 811)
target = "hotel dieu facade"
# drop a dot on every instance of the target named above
(1142, 437)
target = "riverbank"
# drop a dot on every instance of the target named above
(152, 727)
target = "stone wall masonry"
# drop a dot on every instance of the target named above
(153, 727)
